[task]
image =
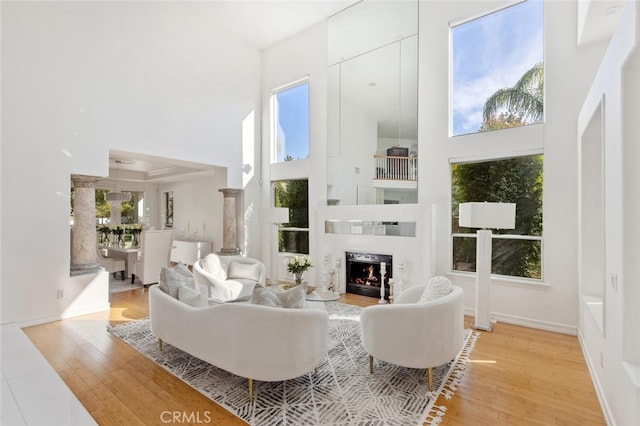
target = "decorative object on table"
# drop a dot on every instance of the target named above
(103, 235)
(344, 392)
(383, 273)
(325, 272)
(485, 216)
(298, 265)
(391, 285)
(135, 230)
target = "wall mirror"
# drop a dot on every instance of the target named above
(373, 104)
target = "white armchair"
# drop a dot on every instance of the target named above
(112, 265)
(229, 277)
(155, 250)
(415, 335)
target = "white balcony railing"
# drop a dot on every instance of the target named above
(396, 168)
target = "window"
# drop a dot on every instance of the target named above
(290, 122)
(516, 252)
(131, 209)
(293, 237)
(497, 73)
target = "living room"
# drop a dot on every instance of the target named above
(181, 81)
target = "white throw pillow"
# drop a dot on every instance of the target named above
(182, 269)
(170, 281)
(196, 298)
(244, 271)
(291, 298)
(436, 288)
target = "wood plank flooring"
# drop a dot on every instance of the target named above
(516, 376)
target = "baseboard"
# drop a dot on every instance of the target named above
(606, 410)
(28, 322)
(528, 322)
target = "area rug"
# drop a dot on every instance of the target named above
(343, 393)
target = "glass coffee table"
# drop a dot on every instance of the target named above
(322, 296)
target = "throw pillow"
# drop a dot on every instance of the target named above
(244, 271)
(263, 296)
(196, 298)
(170, 281)
(291, 298)
(182, 269)
(436, 288)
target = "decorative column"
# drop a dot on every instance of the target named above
(84, 259)
(229, 223)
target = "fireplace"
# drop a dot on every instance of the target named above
(363, 273)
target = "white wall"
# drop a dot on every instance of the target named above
(613, 352)
(79, 79)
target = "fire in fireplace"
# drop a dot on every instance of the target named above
(363, 273)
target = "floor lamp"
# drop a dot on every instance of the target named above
(485, 216)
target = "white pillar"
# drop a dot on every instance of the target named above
(483, 280)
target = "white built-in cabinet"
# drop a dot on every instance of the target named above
(188, 252)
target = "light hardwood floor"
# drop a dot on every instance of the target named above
(516, 376)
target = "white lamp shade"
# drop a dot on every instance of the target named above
(488, 215)
(275, 215)
(280, 215)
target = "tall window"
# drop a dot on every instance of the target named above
(497, 75)
(293, 237)
(516, 252)
(290, 122)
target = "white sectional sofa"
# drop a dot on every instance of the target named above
(253, 341)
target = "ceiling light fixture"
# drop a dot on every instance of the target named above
(117, 195)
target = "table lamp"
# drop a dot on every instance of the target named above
(485, 216)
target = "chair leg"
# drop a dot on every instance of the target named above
(315, 372)
(250, 383)
(370, 363)
(160, 344)
(122, 275)
(430, 378)
(114, 276)
(133, 278)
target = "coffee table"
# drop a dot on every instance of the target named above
(322, 296)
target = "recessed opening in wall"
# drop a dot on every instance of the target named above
(364, 273)
(592, 220)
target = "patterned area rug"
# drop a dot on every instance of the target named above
(343, 393)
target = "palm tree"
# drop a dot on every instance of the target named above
(524, 100)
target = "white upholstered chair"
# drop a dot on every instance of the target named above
(112, 265)
(229, 277)
(155, 251)
(415, 335)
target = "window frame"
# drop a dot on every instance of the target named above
(281, 227)
(495, 236)
(460, 22)
(274, 119)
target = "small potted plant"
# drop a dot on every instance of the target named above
(297, 265)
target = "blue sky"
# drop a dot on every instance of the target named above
(490, 53)
(294, 121)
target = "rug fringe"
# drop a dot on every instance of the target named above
(437, 412)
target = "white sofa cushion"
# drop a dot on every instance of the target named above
(196, 298)
(291, 298)
(170, 281)
(436, 287)
(182, 269)
(246, 271)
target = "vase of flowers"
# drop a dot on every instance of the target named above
(297, 265)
